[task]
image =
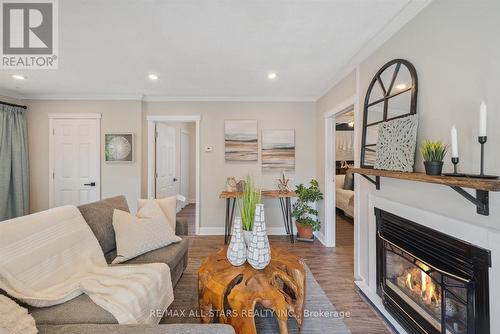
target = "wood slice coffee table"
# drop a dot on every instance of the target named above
(230, 293)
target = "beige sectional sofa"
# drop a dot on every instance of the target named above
(81, 315)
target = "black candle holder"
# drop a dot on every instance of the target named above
(482, 140)
(454, 161)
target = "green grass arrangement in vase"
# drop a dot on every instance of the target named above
(305, 215)
(247, 203)
(433, 153)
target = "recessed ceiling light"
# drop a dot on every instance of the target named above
(401, 86)
(272, 75)
(153, 76)
(18, 76)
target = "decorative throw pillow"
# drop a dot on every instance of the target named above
(168, 205)
(15, 319)
(397, 141)
(349, 181)
(136, 235)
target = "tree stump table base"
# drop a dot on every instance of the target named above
(230, 293)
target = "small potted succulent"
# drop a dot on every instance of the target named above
(306, 217)
(247, 204)
(433, 153)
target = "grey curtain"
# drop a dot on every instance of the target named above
(14, 173)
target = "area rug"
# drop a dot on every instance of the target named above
(320, 315)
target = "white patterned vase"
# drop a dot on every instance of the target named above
(237, 250)
(259, 251)
(247, 235)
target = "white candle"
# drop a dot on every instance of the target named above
(454, 142)
(482, 119)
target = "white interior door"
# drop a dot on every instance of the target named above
(76, 161)
(167, 183)
(185, 166)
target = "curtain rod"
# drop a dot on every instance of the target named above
(13, 105)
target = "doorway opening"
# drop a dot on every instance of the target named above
(339, 183)
(173, 163)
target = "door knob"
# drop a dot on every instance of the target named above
(92, 184)
(175, 179)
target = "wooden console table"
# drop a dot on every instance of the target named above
(285, 202)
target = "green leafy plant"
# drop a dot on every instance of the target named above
(302, 211)
(248, 202)
(433, 150)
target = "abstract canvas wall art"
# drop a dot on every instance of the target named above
(241, 142)
(278, 149)
(119, 147)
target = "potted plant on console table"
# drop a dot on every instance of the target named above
(433, 153)
(306, 217)
(247, 204)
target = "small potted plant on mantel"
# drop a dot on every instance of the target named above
(433, 153)
(306, 217)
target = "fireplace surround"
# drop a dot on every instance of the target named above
(429, 281)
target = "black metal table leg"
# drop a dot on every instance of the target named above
(231, 218)
(285, 213)
(226, 225)
(290, 222)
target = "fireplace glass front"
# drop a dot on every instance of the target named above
(432, 283)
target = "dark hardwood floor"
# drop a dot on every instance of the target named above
(331, 267)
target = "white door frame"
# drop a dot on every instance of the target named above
(152, 120)
(53, 117)
(181, 172)
(329, 200)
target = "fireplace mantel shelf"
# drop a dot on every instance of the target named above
(482, 186)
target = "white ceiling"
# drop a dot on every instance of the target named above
(205, 49)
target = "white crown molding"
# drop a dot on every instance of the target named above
(166, 98)
(86, 97)
(405, 15)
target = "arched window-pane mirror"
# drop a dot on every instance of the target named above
(392, 94)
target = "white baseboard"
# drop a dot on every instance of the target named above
(321, 237)
(211, 231)
(220, 231)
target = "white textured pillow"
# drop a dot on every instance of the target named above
(136, 235)
(168, 206)
(15, 319)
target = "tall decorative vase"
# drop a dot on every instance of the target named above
(237, 250)
(259, 251)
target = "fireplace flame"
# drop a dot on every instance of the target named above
(421, 284)
(408, 282)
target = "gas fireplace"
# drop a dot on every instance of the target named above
(431, 282)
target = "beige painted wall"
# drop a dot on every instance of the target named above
(214, 169)
(451, 44)
(116, 116)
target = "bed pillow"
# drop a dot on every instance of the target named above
(144, 232)
(168, 205)
(349, 181)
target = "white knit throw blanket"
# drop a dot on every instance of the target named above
(15, 319)
(50, 257)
